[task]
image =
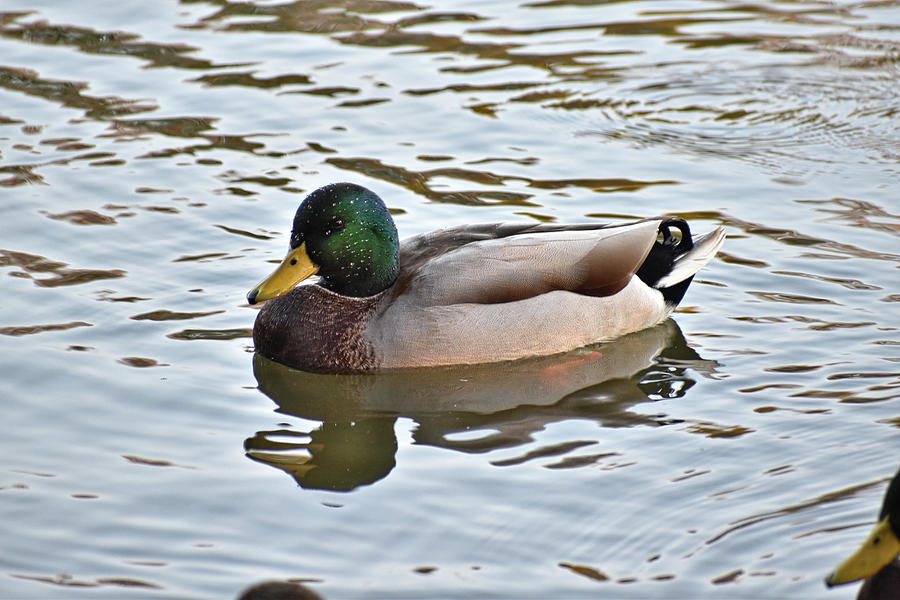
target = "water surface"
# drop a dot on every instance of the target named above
(152, 156)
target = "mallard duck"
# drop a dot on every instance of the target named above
(463, 295)
(876, 560)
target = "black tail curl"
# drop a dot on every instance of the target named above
(679, 246)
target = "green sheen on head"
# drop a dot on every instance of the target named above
(351, 236)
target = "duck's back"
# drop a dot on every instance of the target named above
(499, 292)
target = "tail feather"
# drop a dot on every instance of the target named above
(686, 265)
(672, 262)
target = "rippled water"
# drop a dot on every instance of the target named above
(151, 158)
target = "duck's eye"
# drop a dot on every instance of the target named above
(336, 225)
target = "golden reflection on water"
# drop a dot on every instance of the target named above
(419, 183)
(51, 273)
(757, 114)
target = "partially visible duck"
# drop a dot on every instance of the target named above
(876, 560)
(463, 295)
(279, 590)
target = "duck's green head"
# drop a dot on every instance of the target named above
(345, 234)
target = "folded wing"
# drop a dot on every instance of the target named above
(490, 264)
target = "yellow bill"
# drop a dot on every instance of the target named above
(880, 549)
(295, 267)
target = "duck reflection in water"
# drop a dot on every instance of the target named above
(356, 445)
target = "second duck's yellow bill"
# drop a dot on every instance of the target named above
(876, 552)
(295, 267)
